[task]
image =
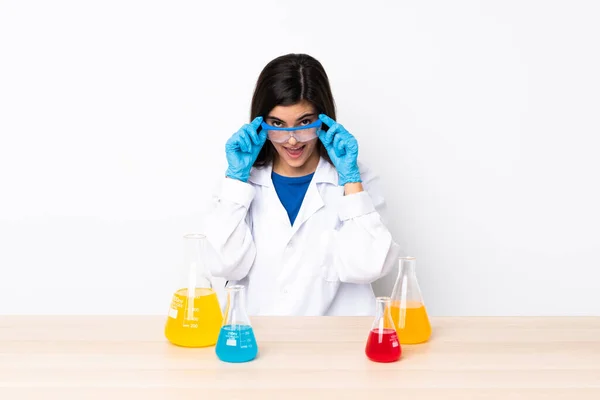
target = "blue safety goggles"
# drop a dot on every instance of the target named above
(300, 133)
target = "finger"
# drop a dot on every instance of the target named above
(335, 130)
(256, 122)
(339, 146)
(327, 143)
(327, 136)
(352, 145)
(323, 137)
(244, 142)
(328, 121)
(231, 145)
(251, 132)
(322, 134)
(248, 142)
(262, 137)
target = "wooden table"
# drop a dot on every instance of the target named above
(300, 358)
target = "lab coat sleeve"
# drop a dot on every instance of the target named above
(363, 248)
(228, 230)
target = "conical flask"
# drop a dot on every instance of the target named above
(195, 317)
(382, 343)
(236, 340)
(408, 309)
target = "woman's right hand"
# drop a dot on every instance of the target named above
(242, 149)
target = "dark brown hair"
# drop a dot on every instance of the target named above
(285, 81)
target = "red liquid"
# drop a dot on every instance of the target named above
(384, 347)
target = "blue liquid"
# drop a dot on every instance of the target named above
(236, 344)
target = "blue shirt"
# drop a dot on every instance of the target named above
(291, 191)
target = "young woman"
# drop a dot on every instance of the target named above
(297, 218)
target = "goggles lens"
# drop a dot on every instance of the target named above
(300, 133)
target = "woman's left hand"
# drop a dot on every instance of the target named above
(342, 148)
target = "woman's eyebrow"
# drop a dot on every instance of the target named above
(305, 116)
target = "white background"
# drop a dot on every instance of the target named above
(480, 116)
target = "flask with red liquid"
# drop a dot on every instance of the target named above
(383, 344)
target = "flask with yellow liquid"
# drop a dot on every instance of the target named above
(407, 306)
(195, 317)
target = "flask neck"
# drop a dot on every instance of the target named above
(194, 261)
(383, 316)
(235, 297)
(406, 292)
(407, 266)
(380, 305)
(236, 306)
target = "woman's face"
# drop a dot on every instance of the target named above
(294, 158)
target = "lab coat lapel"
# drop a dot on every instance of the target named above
(277, 210)
(313, 201)
(262, 176)
(311, 204)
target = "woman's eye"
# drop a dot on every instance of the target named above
(276, 124)
(306, 122)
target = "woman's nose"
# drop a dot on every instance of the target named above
(292, 140)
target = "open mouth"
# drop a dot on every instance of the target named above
(294, 152)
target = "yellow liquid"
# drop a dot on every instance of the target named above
(195, 326)
(412, 323)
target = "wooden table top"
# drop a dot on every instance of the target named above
(114, 357)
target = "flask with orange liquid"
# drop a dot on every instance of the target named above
(195, 317)
(408, 309)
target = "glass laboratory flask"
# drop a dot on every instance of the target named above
(195, 315)
(236, 340)
(382, 343)
(408, 309)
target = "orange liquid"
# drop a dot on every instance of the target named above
(412, 322)
(196, 321)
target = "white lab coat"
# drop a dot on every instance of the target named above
(322, 265)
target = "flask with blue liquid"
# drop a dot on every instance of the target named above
(236, 342)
